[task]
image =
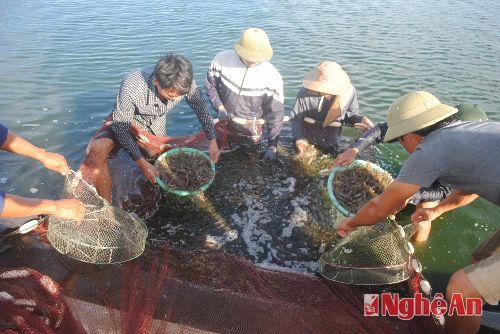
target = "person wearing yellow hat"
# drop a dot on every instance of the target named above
(326, 101)
(425, 197)
(456, 154)
(244, 87)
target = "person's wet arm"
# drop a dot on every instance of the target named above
(373, 136)
(198, 104)
(195, 100)
(457, 198)
(16, 144)
(17, 206)
(123, 115)
(435, 193)
(212, 82)
(393, 199)
(274, 113)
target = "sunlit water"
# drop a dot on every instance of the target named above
(61, 63)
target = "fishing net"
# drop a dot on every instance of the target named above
(377, 255)
(270, 222)
(370, 255)
(107, 234)
(223, 251)
(172, 291)
(31, 302)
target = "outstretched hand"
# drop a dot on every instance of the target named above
(149, 171)
(345, 227)
(71, 209)
(55, 162)
(345, 158)
(213, 151)
(424, 214)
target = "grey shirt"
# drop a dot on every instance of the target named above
(464, 156)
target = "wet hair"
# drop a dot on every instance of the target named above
(441, 124)
(174, 71)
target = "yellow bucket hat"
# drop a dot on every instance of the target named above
(414, 111)
(329, 78)
(254, 46)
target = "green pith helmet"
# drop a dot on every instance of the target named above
(254, 46)
(470, 113)
(415, 111)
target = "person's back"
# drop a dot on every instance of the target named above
(460, 156)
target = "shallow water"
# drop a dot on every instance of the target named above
(62, 62)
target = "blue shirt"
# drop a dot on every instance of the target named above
(3, 137)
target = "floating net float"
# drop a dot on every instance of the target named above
(107, 234)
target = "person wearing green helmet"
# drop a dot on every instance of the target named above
(433, 137)
(426, 196)
(247, 91)
(466, 113)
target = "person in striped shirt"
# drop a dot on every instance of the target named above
(143, 101)
(246, 88)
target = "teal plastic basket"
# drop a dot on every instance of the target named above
(331, 177)
(187, 150)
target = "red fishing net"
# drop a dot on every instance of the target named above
(169, 290)
(216, 292)
(31, 302)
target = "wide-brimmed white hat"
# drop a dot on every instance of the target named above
(254, 46)
(329, 78)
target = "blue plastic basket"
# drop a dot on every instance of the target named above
(355, 163)
(187, 150)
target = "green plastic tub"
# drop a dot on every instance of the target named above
(355, 163)
(187, 150)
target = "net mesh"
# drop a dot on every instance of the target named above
(200, 289)
(371, 255)
(31, 302)
(216, 292)
(107, 234)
